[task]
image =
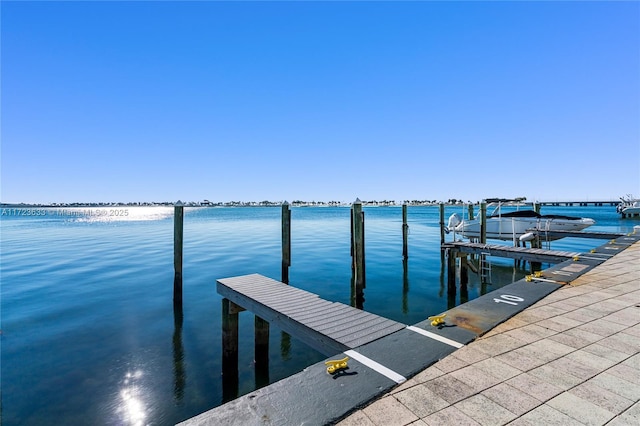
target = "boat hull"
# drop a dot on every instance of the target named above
(508, 228)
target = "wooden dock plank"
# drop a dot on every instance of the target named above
(315, 314)
(329, 327)
(528, 254)
(374, 335)
(369, 325)
(322, 323)
(337, 329)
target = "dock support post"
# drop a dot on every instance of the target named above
(229, 350)
(357, 235)
(483, 222)
(178, 221)
(286, 242)
(451, 272)
(470, 211)
(464, 271)
(405, 232)
(441, 223)
(261, 352)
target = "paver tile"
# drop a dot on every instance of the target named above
(580, 409)
(576, 338)
(585, 357)
(497, 368)
(470, 354)
(521, 359)
(497, 344)
(428, 374)
(449, 388)
(556, 376)
(477, 379)
(485, 411)
(582, 315)
(550, 349)
(602, 327)
(421, 400)
(358, 418)
(530, 333)
(388, 410)
(450, 363)
(622, 343)
(632, 331)
(575, 368)
(534, 386)
(618, 386)
(510, 324)
(629, 417)
(514, 400)
(561, 323)
(625, 372)
(601, 397)
(545, 415)
(546, 312)
(604, 352)
(633, 361)
(410, 383)
(450, 416)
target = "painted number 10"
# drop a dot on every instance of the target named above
(507, 298)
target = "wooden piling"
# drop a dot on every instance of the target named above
(483, 222)
(441, 223)
(464, 270)
(536, 207)
(261, 352)
(286, 242)
(357, 232)
(229, 350)
(405, 232)
(470, 211)
(178, 221)
(451, 272)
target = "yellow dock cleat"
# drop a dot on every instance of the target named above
(436, 320)
(336, 364)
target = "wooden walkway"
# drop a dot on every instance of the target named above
(577, 234)
(518, 253)
(328, 327)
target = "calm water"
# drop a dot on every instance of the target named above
(89, 334)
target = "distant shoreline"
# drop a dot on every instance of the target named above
(297, 203)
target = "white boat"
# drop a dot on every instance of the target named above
(629, 207)
(520, 224)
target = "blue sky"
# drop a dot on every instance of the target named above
(160, 101)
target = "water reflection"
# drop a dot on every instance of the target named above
(179, 372)
(405, 285)
(285, 346)
(131, 407)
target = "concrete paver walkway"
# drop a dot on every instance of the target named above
(571, 359)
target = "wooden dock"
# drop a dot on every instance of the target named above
(328, 327)
(518, 253)
(542, 234)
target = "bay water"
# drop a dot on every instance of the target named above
(88, 330)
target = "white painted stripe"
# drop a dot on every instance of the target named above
(436, 337)
(376, 366)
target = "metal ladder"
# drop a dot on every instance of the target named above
(485, 268)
